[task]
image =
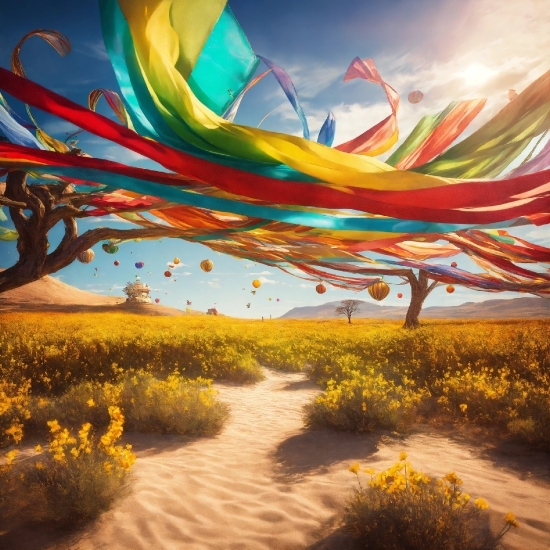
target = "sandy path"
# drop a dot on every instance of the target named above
(265, 484)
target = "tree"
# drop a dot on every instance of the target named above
(348, 308)
(50, 204)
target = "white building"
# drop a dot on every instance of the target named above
(137, 292)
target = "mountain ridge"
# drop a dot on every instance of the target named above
(523, 307)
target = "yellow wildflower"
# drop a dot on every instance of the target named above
(53, 425)
(38, 448)
(481, 503)
(90, 402)
(403, 455)
(354, 468)
(510, 519)
(463, 407)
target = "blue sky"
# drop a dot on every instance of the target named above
(449, 49)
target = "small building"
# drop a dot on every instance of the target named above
(137, 292)
(212, 311)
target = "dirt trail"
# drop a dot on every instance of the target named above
(264, 483)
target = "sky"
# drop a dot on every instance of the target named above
(448, 49)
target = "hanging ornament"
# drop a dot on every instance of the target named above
(86, 256)
(207, 265)
(400, 295)
(450, 289)
(321, 288)
(379, 290)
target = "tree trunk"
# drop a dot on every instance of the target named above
(419, 292)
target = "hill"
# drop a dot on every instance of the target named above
(50, 294)
(489, 309)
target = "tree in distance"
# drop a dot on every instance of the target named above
(348, 308)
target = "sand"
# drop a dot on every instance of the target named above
(265, 483)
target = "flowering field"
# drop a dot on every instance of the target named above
(73, 382)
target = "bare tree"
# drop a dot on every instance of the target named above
(348, 308)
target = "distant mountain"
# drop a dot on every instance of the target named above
(490, 309)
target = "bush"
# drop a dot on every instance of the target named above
(73, 480)
(402, 508)
(172, 406)
(364, 403)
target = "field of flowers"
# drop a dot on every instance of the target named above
(76, 369)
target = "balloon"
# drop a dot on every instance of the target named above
(189, 302)
(176, 261)
(269, 299)
(512, 94)
(450, 289)
(86, 256)
(116, 262)
(139, 265)
(256, 283)
(171, 266)
(277, 299)
(321, 288)
(454, 264)
(95, 274)
(416, 96)
(157, 300)
(110, 249)
(207, 265)
(248, 305)
(95, 268)
(253, 292)
(167, 273)
(400, 295)
(379, 290)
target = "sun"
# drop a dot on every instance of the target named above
(477, 73)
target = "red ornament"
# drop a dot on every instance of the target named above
(116, 262)
(450, 289)
(400, 295)
(157, 300)
(321, 288)
(167, 273)
(454, 264)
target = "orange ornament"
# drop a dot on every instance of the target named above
(321, 288)
(256, 283)
(450, 289)
(379, 290)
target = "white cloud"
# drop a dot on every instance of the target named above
(265, 280)
(213, 284)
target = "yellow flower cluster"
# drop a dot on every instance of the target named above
(121, 457)
(402, 477)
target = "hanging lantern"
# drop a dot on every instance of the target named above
(400, 295)
(117, 263)
(454, 264)
(256, 283)
(176, 261)
(86, 257)
(139, 265)
(321, 288)
(167, 273)
(157, 300)
(450, 289)
(207, 265)
(379, 290)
